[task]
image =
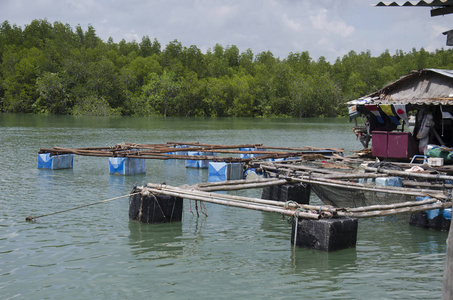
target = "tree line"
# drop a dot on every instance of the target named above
(51, 68)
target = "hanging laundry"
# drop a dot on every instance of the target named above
(400, 110)
(374, 110)
(446, 112)
(387, 109)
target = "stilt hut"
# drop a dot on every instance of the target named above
(408, 118)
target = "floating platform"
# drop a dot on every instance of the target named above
(350, 188)
(320, 227)
(194, 151)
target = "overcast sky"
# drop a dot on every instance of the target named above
(329, 28)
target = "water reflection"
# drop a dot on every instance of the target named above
(97, 251)
(155, 241)
(306, 260)
(395, 235)
(122, 185)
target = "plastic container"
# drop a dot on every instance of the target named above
(389, 181)
(197, 163)
(126, 166)
(222, 171)
(366, 180)
(379, 144)
(249, 155)
(55, 162)
(401, 145)
(180, 152)
(435, 161)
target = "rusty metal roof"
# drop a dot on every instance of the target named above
(438, 7)
(423, 87)
(435, 3)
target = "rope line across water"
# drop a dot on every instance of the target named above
(31, 219)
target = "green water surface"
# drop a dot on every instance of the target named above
(233, 253)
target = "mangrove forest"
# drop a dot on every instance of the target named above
(51, 68)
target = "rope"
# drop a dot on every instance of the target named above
(287, 203)
(158, 204)
(31, 219)
(295, 230)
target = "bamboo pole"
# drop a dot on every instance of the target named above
(302, 211)
(412, 209)
(392, 206)
(306, 148)
(267, 208)
(155, 150)
(193, 190)
(352, 175)
(425, 184)
(214, 146)
(410, 174)
(224, 196)
(280, 165)
(358, 186)
(233, 182)
(244, 186)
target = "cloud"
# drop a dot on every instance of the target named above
(293, 24)
(331, 25)
(328, 28)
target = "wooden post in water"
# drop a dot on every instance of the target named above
(447, 286)
(150, 208)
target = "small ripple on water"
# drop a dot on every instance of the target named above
(98, 253)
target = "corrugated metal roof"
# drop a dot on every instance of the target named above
(435, 3)
(447, 73)
(377, 101)
(424, 87)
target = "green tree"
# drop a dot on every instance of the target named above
(232, 56)
(133, 76)
(192, 93)
(192, 59)
(36, 33)
(215, 62)
(301, 93)
(242, 96)
(90, 39)
(161, 94)
(246, 61)
(53, 97)
(102, 82)
(127, 49)
(20, 71)
(300, 62)
(146, 47)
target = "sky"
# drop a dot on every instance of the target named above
(328, 28)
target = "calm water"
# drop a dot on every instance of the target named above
(96, 253)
